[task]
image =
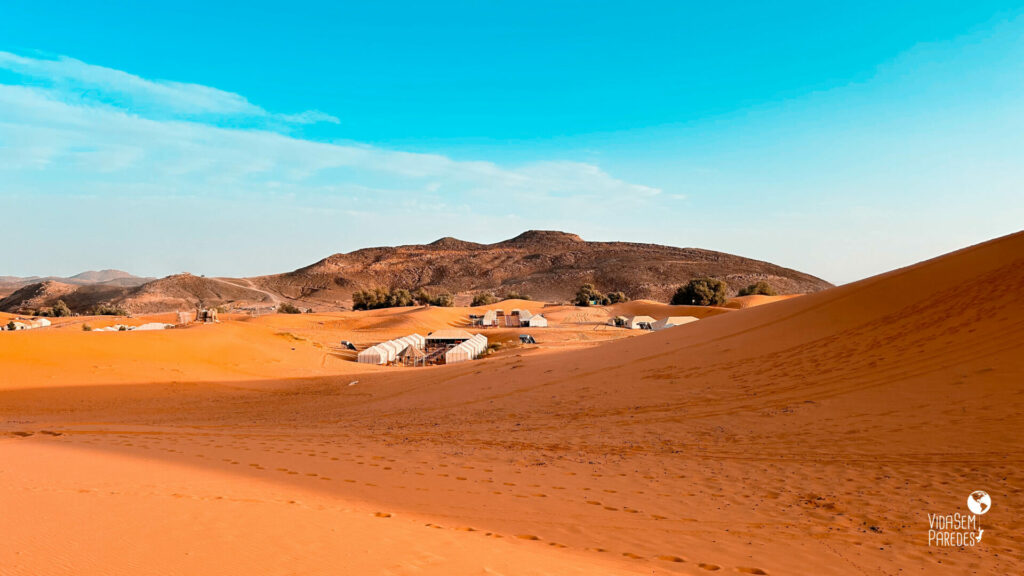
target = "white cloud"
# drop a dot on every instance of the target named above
(141, 143)
(77, 80)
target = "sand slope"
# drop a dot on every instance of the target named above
(809, 436)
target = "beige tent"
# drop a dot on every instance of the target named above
(672, 321)
(371, 355)
(490, 318)
(468, 350)
(536, 321)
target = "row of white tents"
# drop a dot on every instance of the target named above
(469, 350)
(387, 352)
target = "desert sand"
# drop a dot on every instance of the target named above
(810, 435)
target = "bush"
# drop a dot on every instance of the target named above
(401, 297)
(517, 296)
(616, 297)
(11, 326)
(60, 309)
(701, 292)
(759, 288)
(381, 298)
(286, 308)
(445, 299)
(86, 328)
(109, 310)
(483, 299)
(422, 297)
(587, 295)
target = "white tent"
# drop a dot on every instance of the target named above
(154, 326)
(392, 348)
(41, 322)
(468, 350)
(480, 343)
(460, 353)
(490, 318)
(387, 352)
(672, 321)
(536, 321)
(634, 322)
(371, 355)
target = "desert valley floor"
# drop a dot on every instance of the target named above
(809, 435)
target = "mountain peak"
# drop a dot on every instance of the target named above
(534, 237)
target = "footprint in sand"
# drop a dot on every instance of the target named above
(670, 558)
(382, 514)
(631, 555)
(527, 537)
(711, 567)
(756, 571)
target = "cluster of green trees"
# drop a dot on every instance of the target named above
(383, 298)
(286, 308)
(714, 292)
(701, 292)
(761, 287)
(59, 310)
(485, 298)
(587, 295)
(108, 310)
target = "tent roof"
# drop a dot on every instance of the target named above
(412, 352)
(678, 319)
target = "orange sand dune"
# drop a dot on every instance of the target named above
(756, 300)
(812, 436)
(661, 310)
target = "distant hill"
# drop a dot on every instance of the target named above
(113, 277)
(118, 277)
(185, 291)
(544, 265)
(177, 292)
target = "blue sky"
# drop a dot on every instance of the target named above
(244, 139)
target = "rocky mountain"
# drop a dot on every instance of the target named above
(544, 265)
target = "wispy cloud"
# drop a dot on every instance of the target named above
(80, 142)
(158, 133)
(83, 82)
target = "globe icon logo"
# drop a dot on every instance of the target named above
(979, 502)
